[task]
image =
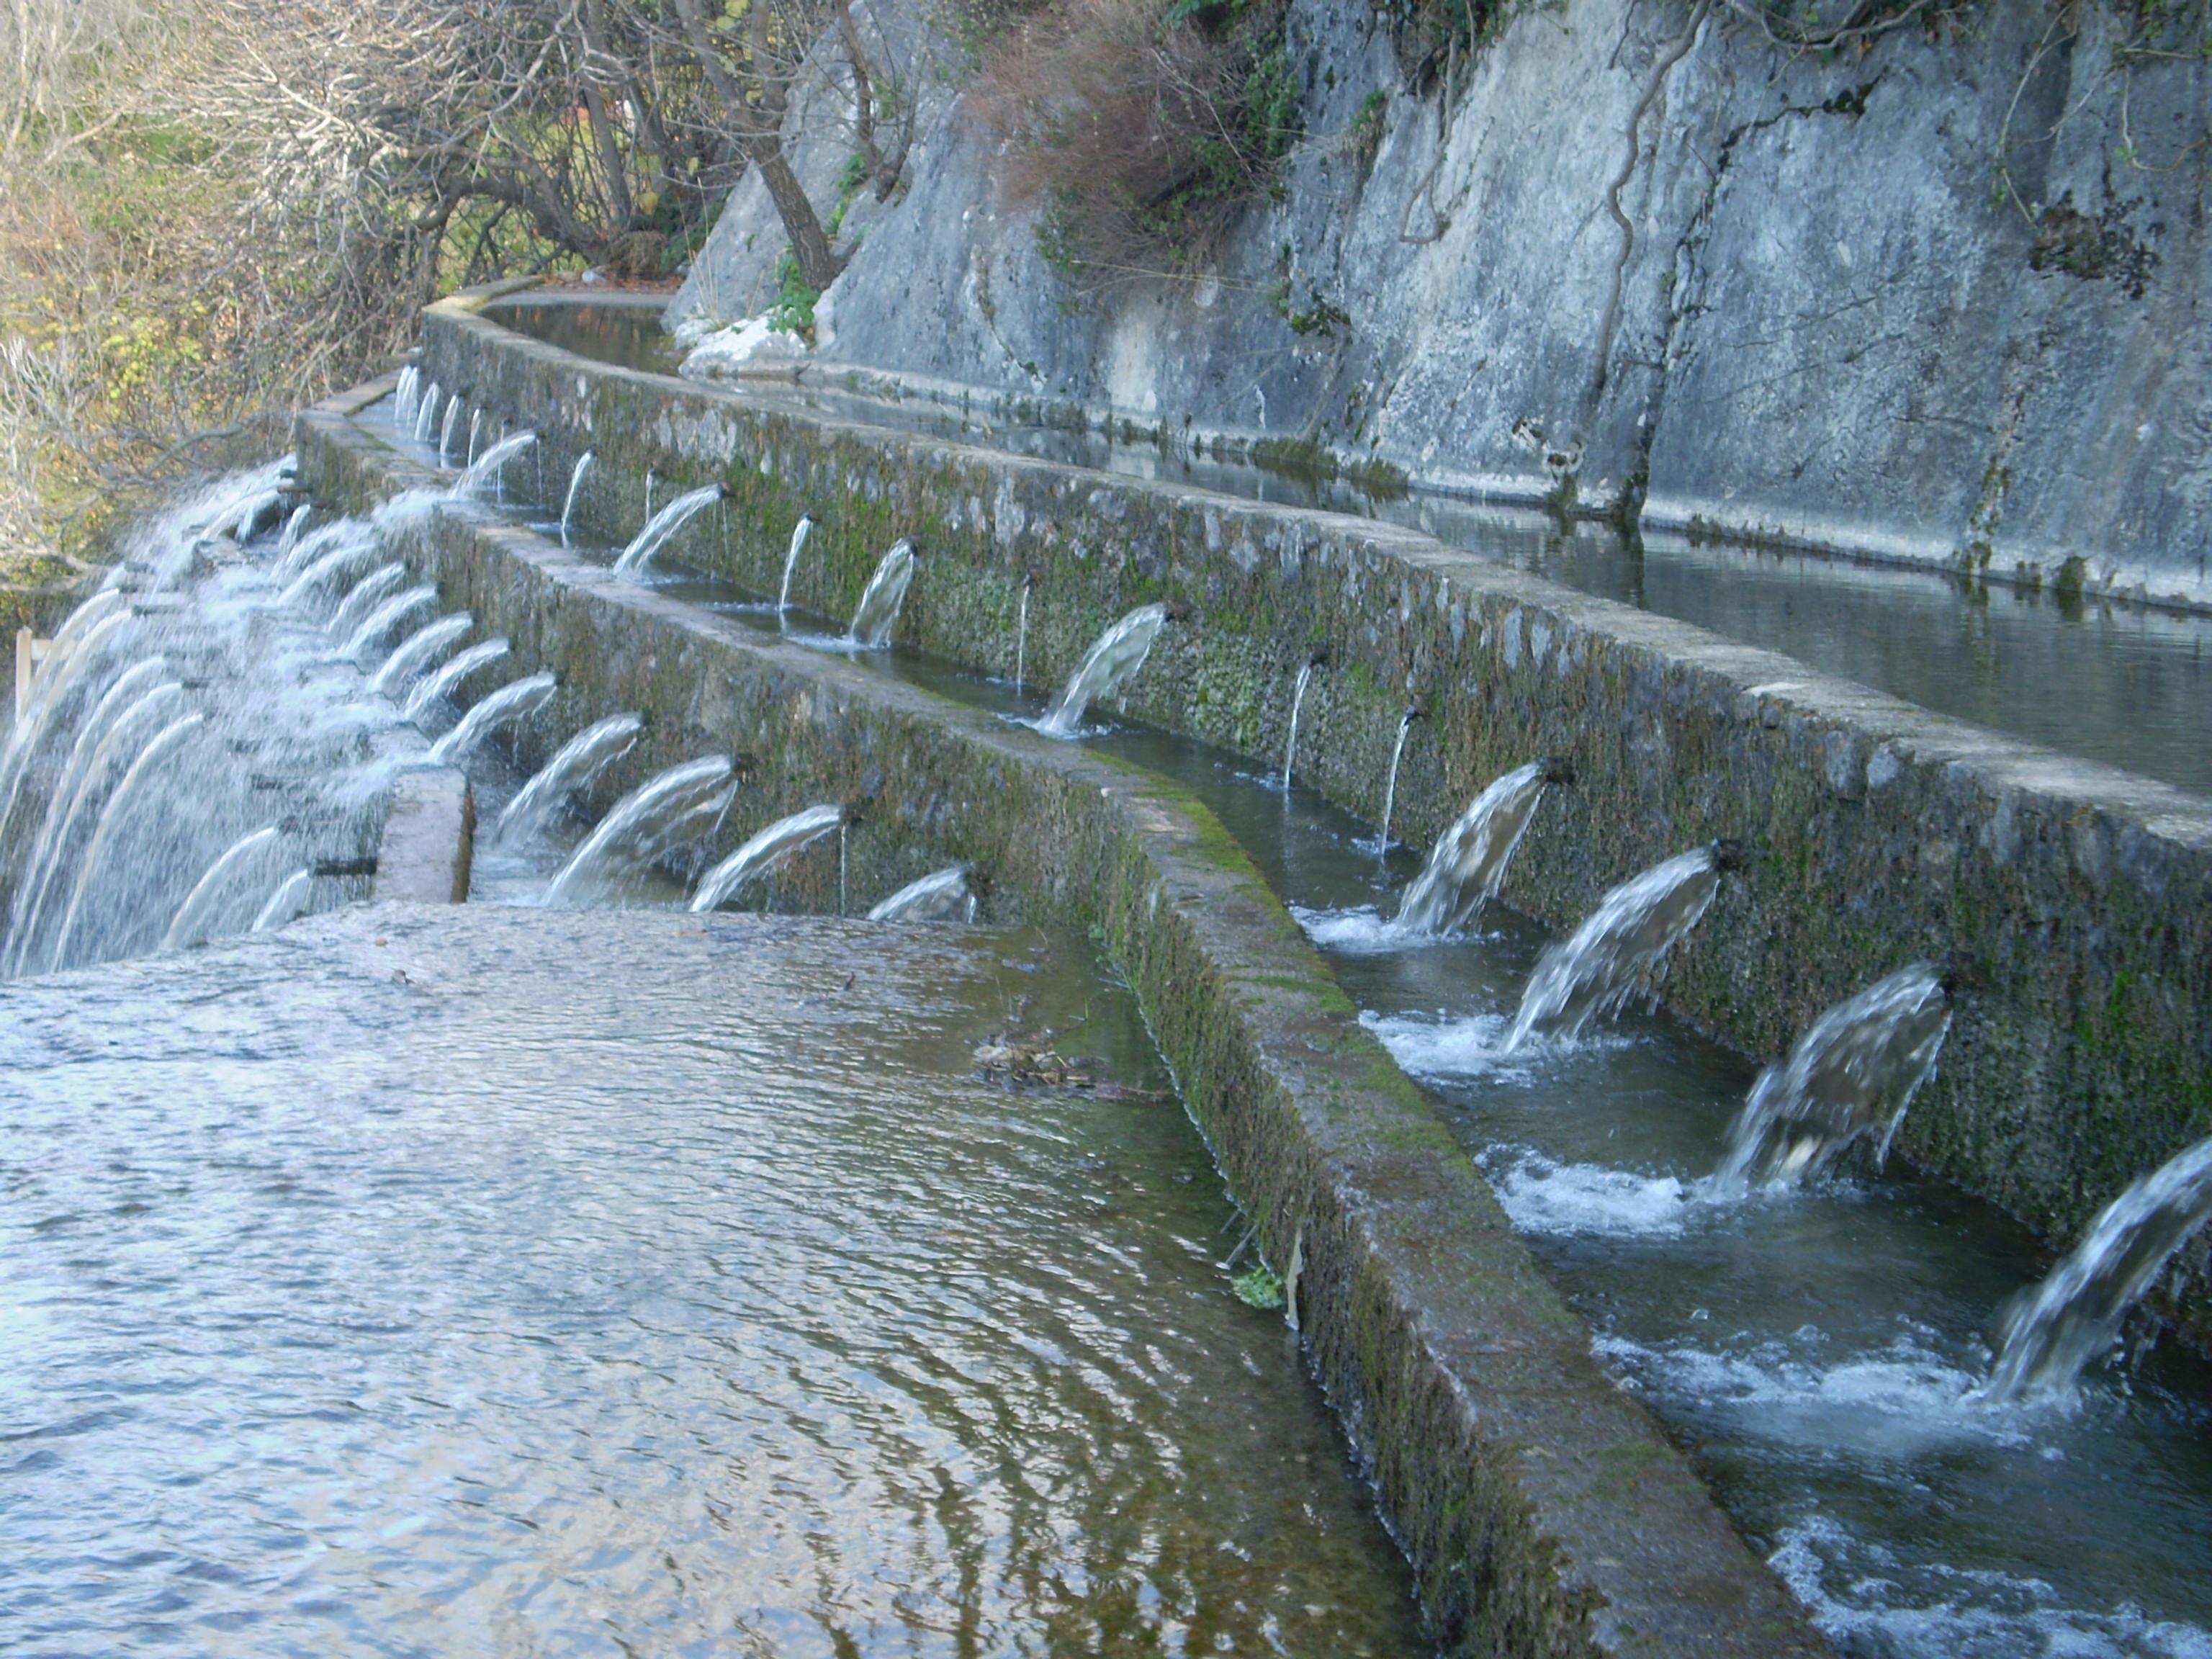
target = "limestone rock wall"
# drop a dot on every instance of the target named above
(1942, 300)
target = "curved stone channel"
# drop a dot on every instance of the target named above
(1914, 1411)
(1542, 1509)
(2076, 900)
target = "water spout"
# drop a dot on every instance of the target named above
(294, 527)
(494, 459)
(112, 817)
(447, 429)
(575, 768)
(1849, 1079)
(476, 431)
(1390, 783)
(403, 398)
(1467, 867)
(763, 853)
(348, 550)
(385, 617)
(877, 614)
(642, 824)
(1620, 951)
(942, 896)
(286, 902)
(800, 533)
(1297, 703)
(2075, 1313)
(189, 926)
(377, 584)
(1106, 668)
(414, 652)
(568, 502)
(664, 524)
(438, 685)
(1021, 637)
(425, 414)
(509, 702)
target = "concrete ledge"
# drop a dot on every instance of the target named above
(2078, 897)
(1542, 1509)
(429, 839)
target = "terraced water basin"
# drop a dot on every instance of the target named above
(2125, 685)
(498, 1280)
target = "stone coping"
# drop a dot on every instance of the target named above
(1543, 1511)
(2075, 898)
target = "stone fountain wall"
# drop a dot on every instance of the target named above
(2075, 899)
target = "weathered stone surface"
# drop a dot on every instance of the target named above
(2078, 898)
(1542, 1510)
(1939, 300)
(429, 839)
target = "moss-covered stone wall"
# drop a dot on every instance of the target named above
(2076, 900)
(1542, 1510)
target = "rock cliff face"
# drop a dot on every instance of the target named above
(1943, 300)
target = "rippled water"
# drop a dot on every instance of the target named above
(493, 1282)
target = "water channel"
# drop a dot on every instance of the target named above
(2125, 685)
(1819, 1354)
(503, 1280)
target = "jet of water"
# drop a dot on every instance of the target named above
(287, 901)
(189, 926)
(1466, 866)
(377, 584)
(1390, 783)
(476, 431)
(490, 463)
(664, 524)
(387, 615)
(1297, 703)
(1106, 668)
(878, 610)
(942, 896)
(2075, 1313)
(800, 533)
(414, 652)
(1620, 951)
(568, 502)
(1021, 637)
(763, 853)
(294, 527)
(403, 398)
(1850, 1079)
(639, 824)
(349, 551)
(577, 763)
(438, 685)
(509, 702)
(447, 429)
(51, 696)
(427, 414)
(112, 818)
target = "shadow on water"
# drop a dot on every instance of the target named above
(2125, 686)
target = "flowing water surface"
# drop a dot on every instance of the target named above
(493, 1281)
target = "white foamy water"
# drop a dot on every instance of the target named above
(1438, 1047)
(1545, 1196)
(1906, 1400)
(1869, 1600)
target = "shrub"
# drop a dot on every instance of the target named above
(1143, 126)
